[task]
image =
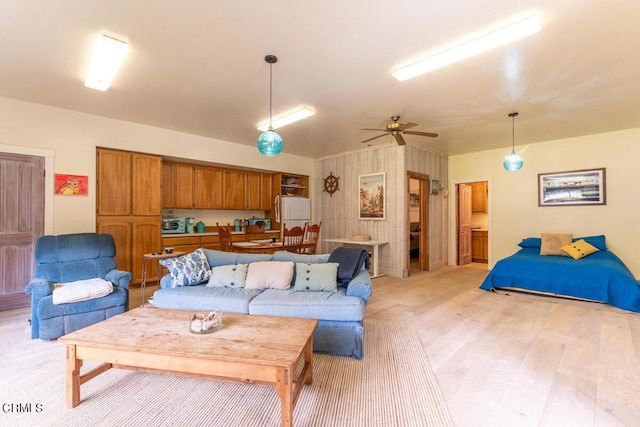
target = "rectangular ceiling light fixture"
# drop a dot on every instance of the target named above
(288, 118)
(108, 54)
(471, 47)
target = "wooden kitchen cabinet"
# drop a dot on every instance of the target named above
(479, 246)
(129, 204)
(235, 189)
(266, 191)
(209, 187)
(168, 185)
(185, 186)
(479, 197)
(254, 190)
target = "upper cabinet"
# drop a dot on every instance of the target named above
(479, 197)
(128, 183)
(189, 186)
(288, 184)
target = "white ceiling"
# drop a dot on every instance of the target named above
(198, 66)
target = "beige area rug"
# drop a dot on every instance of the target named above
(393, 385)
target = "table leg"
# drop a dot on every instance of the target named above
(143, 284)
(375, 261)
(284, 387)
(73, 376)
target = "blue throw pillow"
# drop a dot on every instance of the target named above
(316, 277)
(531, 242)
(597, 241)
(189, 269)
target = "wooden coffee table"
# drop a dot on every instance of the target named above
(264, 350)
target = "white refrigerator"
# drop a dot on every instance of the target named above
(296, 211)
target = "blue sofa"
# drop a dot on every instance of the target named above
(67, 258)
(339, 314)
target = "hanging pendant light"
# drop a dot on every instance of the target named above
(269, 142)
(513, 161)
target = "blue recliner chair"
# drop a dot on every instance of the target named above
(67, 258)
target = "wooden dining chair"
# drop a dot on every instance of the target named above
(226, 243)
(311, 235)
(292, 239)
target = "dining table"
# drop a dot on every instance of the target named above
(265, 246)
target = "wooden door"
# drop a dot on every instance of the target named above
(235, 189)
(113, 171)
(185, 186)
(120, 230)
(266, 199)
(21, 224)
(146, 238)
(254, 190)
(168, 185)
(209, 187)
(464, 224)
(146, 184)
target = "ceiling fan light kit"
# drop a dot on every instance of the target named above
(513, 161)
(269, 142)
(396, 129)
(474, 46)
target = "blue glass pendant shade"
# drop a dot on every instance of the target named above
(513, 162)
(270, 143)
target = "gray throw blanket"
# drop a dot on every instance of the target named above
(350, 262)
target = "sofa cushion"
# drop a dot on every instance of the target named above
(232, 276)
(310, 305)
(269, 275)
(202, 298)
(316, 277)
(47, 310)
(217, 258)
(189, 269)
(81, 290)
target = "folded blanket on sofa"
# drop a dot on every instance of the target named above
(81, 290)
(350, 262)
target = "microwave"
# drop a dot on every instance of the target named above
(173, 225)
(260, 222)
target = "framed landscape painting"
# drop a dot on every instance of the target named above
(371, 196)
(572, 188)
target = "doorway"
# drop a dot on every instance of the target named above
(418, 222)
(472, 222)
(22, 210)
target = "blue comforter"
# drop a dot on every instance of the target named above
(601, 277)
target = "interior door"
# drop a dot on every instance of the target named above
(464, 224)
(21, 224)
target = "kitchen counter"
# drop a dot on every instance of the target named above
(169, 235)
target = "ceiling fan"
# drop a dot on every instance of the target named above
(396, 129)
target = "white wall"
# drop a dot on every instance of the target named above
(514, 211)
(73, 138)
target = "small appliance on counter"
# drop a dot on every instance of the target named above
(200, 227)
(190, 225)
(260, 222)
(173, 225)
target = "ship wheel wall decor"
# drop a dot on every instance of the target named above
(331, 184)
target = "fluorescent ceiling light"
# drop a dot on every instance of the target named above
(288, 118)
(108, 54)
(468, 48)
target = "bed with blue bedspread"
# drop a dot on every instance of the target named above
(600, 276)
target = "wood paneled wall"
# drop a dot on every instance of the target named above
(339, 213)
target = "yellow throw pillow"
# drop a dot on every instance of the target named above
(579, 249)
(552, 243)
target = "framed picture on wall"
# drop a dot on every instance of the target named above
(371, 203)
(572, 188)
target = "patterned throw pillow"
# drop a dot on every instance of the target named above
(229, 276)
(552, 243)
(189, 269)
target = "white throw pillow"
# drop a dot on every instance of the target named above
(81, 290)
(269, 275)
(230, 276)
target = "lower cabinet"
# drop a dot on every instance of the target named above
(479, 246)
(134, 237)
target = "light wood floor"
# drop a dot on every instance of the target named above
(500, 360)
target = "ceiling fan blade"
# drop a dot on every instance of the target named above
(414, 132)
(399, 139)
(404, 126)
(381, 130)
(375, 137)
